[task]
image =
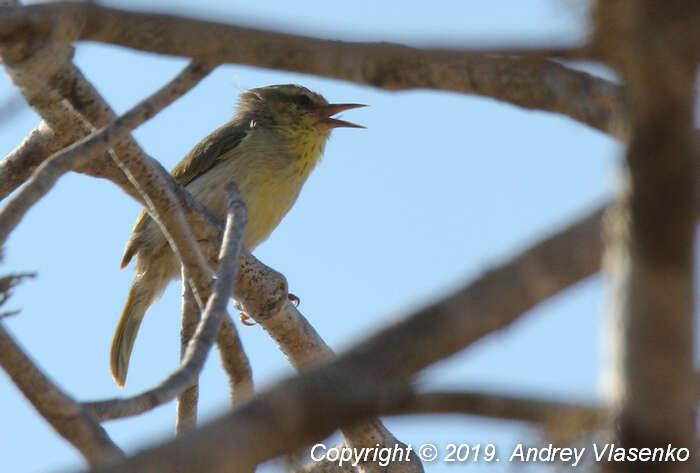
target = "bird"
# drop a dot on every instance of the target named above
(274, 140)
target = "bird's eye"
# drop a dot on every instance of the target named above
(303, 100)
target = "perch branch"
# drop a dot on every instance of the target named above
(425, 337)
(204, 337)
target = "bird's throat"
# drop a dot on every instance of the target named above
(307, 146)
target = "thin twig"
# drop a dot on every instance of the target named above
(204, 337)
(146, 175)
(51, 170)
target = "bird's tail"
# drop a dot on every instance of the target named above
(144, 291)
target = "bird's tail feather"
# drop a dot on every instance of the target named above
(141, 295)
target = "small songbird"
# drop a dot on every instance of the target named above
(268, 149)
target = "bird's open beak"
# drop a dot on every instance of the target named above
(324, 114)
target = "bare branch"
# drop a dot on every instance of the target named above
(473, 312)
(567, 421)
(198, 348)
(428, 335)
(500, 406)
(652, 228)
(447, 326)
(527, 82)
(30, 72)
(187, 400)
(68, 418)
(302, 345)
(19, 165)
(33, 68)
(71, 108)
(288, 328)
(306, 354)
(48, 173)
(291, 415)
(235, 362)
(530, 278)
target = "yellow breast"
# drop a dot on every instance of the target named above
(269, 175)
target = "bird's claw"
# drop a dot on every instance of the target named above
(293, 299)
(245, 320)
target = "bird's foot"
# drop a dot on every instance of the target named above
(246, 320)
(293, 299)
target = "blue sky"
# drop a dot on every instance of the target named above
(439, 187)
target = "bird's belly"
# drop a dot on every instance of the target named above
(268, 195)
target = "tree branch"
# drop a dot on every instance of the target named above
(68, 418)
(426, 336)
(204, 337)
(18, 166)
(426, 74)
(28, 72)
(70, 106)
(80, 152)
(187, 400)
(652, 230)
(533, 83)
(501, 406)
(261, 300)
(235, 362)
(52, 84)
(291, 415)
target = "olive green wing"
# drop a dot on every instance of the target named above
(205, 155)
(210, 151)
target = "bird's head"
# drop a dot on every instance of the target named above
(295, 111)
